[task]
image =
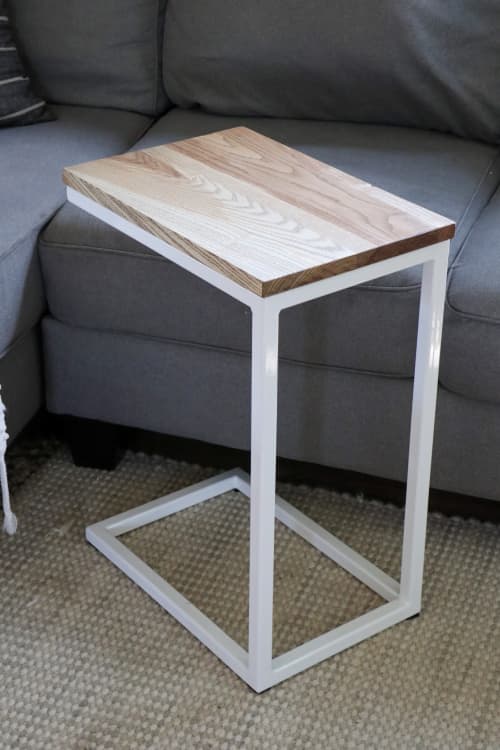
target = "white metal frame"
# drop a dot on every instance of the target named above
(257, 666)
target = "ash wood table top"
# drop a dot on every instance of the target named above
(264, 215)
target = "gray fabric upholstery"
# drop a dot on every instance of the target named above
(423, 64)
(98, 53)
(133, 290)
(31, 190)
(21, 380)
(22, 298)
(470, 362)
(326, 416)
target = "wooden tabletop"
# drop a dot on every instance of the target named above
(264, 215)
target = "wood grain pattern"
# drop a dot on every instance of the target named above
(265, 215)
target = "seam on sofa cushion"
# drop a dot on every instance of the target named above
(141, 134)
(463, 395)
(35, 229)
(246, 355)
(19, 338)
(489, 170)
(497, 184)
(225, 349)
(367, 286)
(160, 87)
(473, 316)
(457, 262)
(152, 256)
(43, 241)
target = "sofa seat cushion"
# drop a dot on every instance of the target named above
(470, 363)
(31, 190)
(97, 278)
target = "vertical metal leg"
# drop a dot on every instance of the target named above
(422, 425)
(265, 329)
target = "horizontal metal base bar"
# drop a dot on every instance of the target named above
(103, 536)
(331, 546)
(340, 638)
(201, 626)
(167, 505)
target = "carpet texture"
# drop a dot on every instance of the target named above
(89, 662)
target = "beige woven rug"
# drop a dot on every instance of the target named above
(89, 662)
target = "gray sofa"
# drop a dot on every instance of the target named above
(404, 95)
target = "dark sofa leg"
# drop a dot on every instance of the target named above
(93, 444)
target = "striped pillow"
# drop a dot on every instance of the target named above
(19, 105)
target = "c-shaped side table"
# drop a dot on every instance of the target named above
(168, 199)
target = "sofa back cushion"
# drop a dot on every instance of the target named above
(431, 64)
(100, 53)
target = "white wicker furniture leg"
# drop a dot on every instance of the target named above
(9, 519)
